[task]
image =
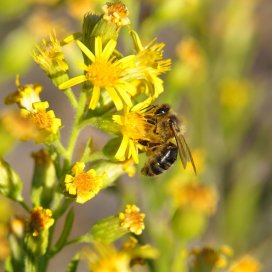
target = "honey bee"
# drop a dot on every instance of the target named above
(163, 152)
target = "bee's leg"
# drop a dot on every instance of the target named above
(148, 144)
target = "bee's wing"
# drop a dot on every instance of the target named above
(184, 150)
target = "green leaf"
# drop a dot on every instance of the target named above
(106, 230)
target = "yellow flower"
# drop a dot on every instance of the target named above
(40, 220)
(106, 258)
(83, 185)
(199, 197)
(246, 264)
(132, 219)
(105, 72)
(50, 57)
(151, 63)
(208, 259)
(134, 127)
(117, 13)
(33, 122)
(18, 126)
(45, 121)
(25, 95)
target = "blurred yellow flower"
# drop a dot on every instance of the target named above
(40, 220)
(34, 121)
(17, 226)
(105, 72)
(45, 121)
(132, 219)
(196, 196)
(106, 258)
(235, 93)
(117, 13)
(134, 127)
(78, 8)
(245, 264)
(25, 95)
(4, 243)
(83, 185)
(207, 259)
(189, 52)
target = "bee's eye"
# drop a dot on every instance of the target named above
(163, 109)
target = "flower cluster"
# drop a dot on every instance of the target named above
(111, 79)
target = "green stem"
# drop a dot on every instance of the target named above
(72, 141)
(61, 149)
(73, 241)
(75, 127)
(69, 93)
(31, 264)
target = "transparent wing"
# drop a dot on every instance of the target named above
(184, 150)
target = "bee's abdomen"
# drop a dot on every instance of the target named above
(160, 162)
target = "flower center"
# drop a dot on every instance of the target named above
(41, 119)
(40, 219)
(103, 74)
(132, 219)
(84, 182)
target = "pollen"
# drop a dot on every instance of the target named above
(40, 219)
(84, 182)
(132, 219)
(102, 73)
(41, 119)
(135, 126)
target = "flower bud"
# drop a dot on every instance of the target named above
(108, 230)
(43, 182)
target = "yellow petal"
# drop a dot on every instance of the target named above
(86, 51)
(95, 97)
(121, 153)
(72, 82)
(115, 98)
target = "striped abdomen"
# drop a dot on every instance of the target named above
(160, 160)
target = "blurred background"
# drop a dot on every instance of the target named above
(220, 87)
